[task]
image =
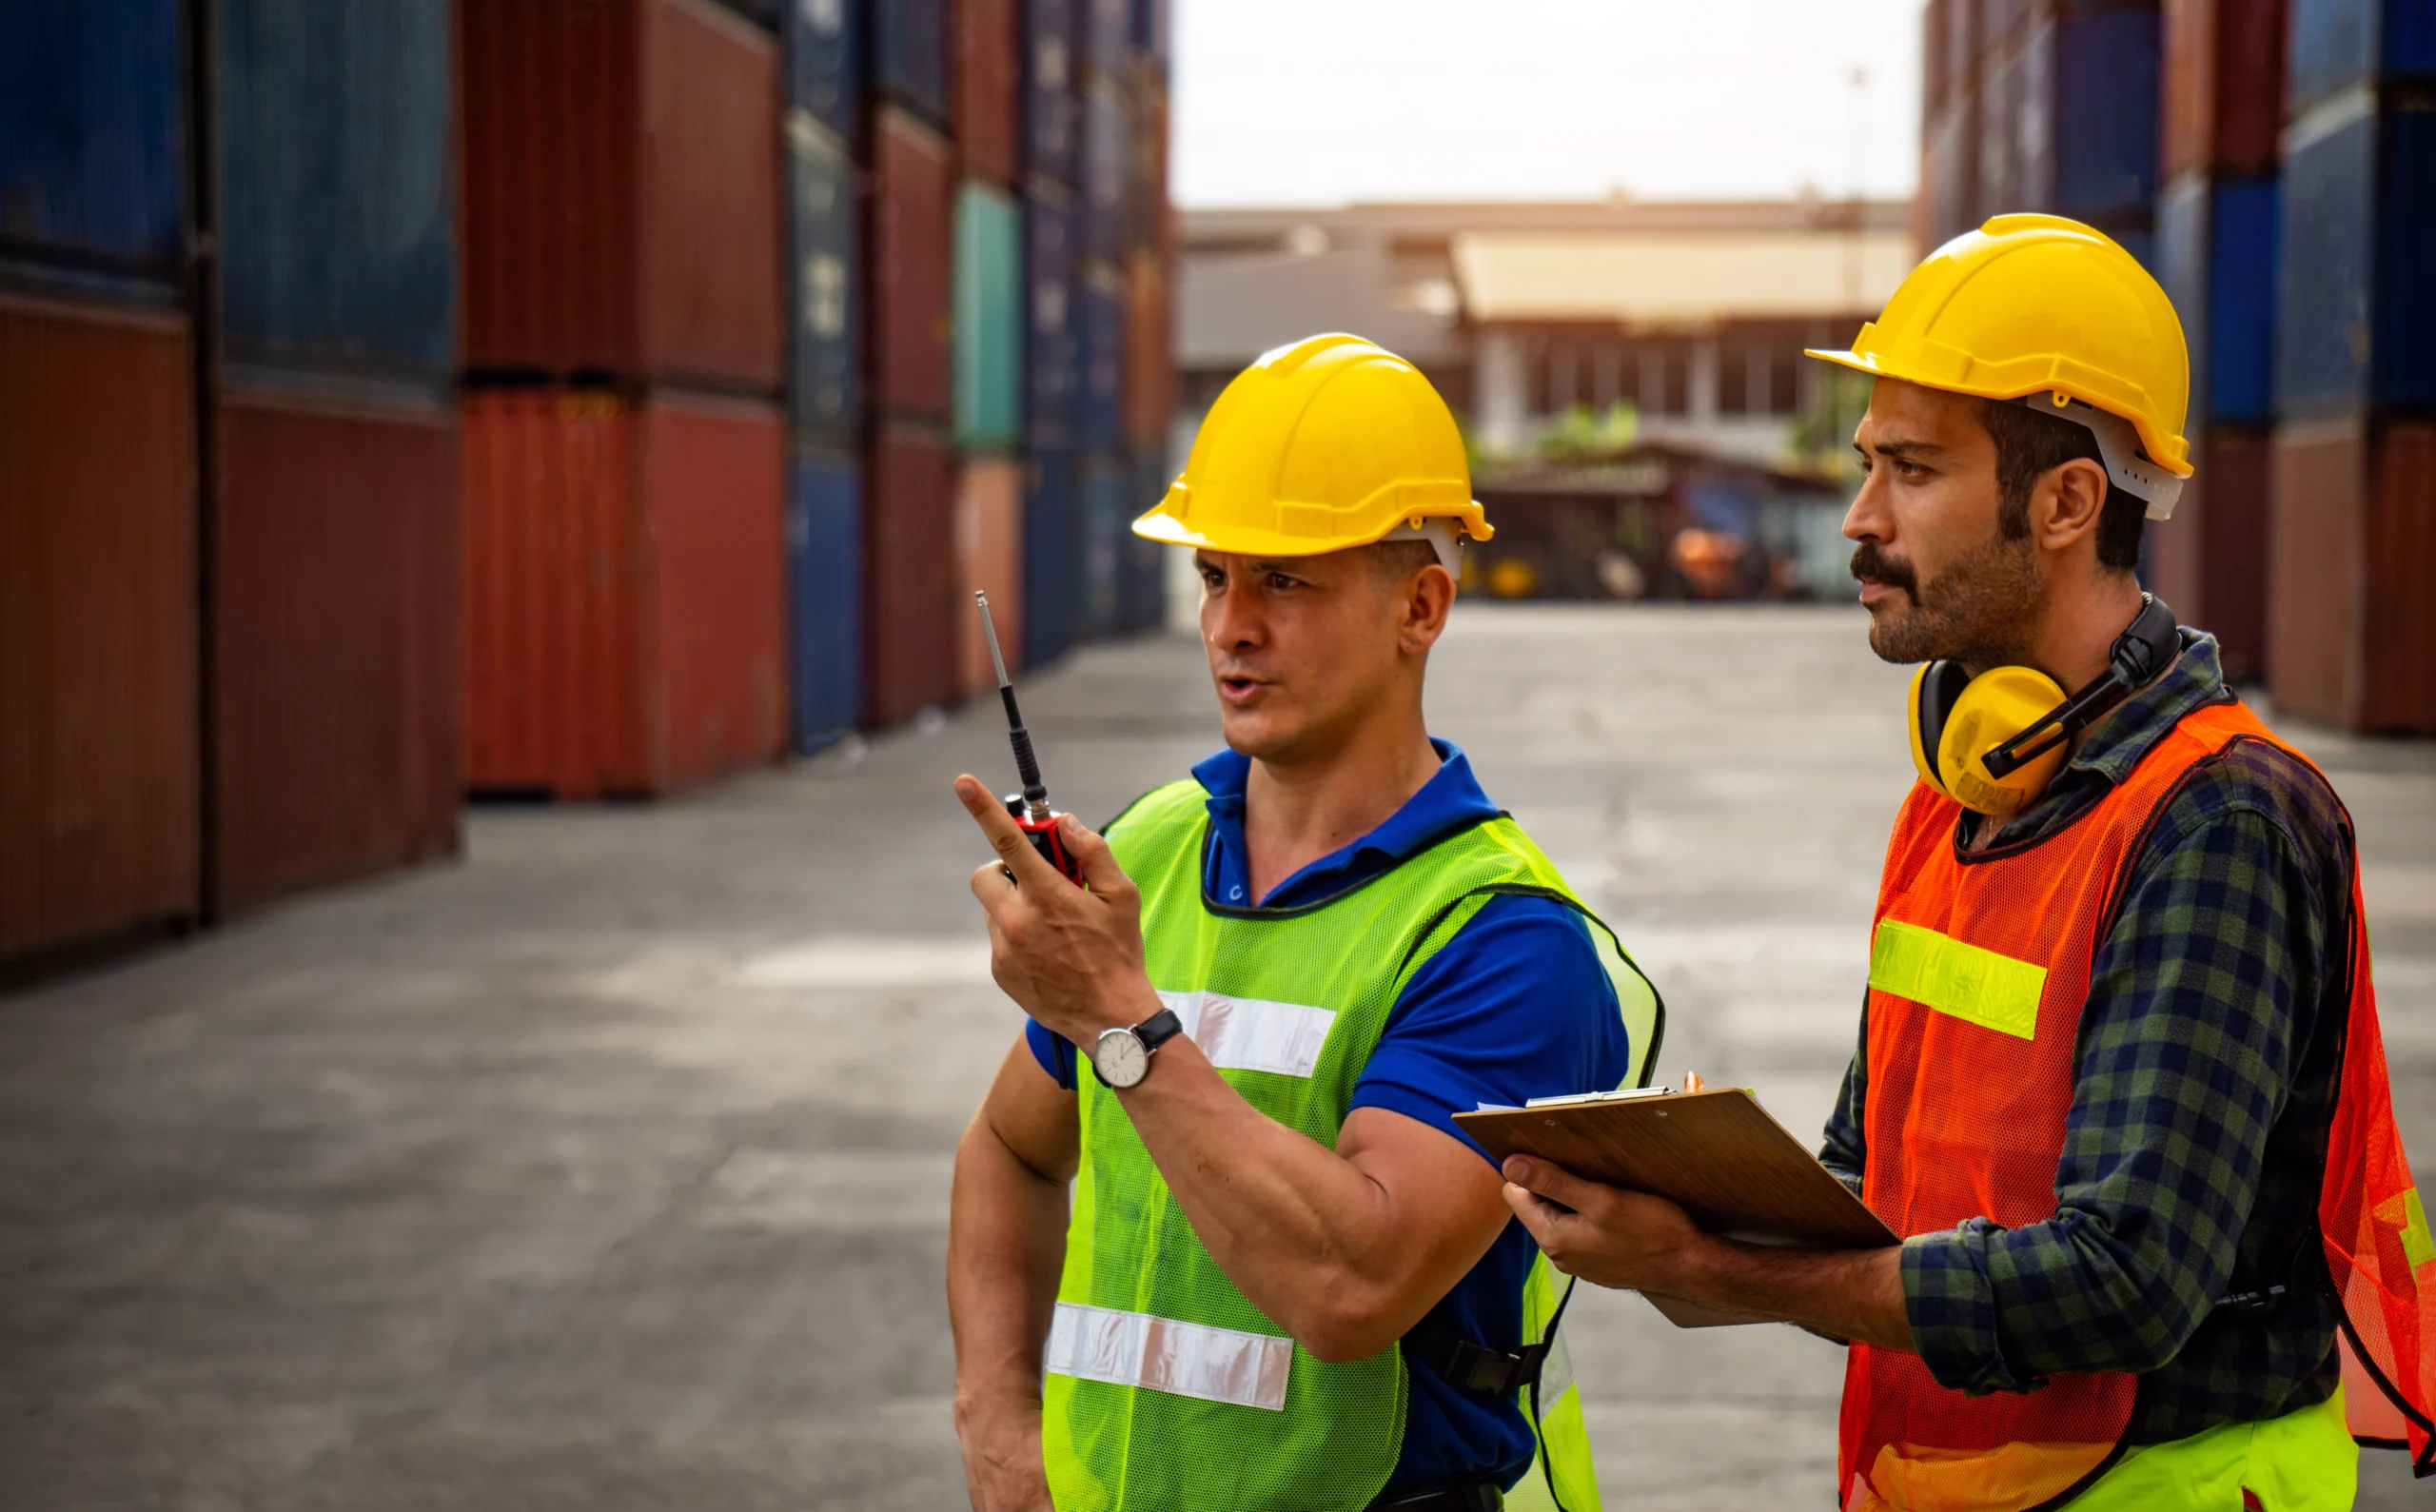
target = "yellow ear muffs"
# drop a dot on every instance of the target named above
(1956, 720)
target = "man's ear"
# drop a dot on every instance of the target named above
(1427, 597)
(2066, 503)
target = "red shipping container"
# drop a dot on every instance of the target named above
(912, 304)
(99, 818)
(622, 192)
(989, 558)
(2221, 93)
(1150, 352)
(2351, 626)
(2209, 560)
(335, 617)
(910, 598)
(626, 593)
(989, 83)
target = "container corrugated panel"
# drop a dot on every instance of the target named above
(2002, 22)
(2216, 241)
(1107, 164)
(2001, 149)
(908, 55)
(1964, 33)
(1108, 38)
(1154, 27)
(2222, 73)
(2357, 309)
(911, 302)
(1150, 360)
(988, 89)
(337, 575)
(92, 139)
(1053, 333)
(2087, 131)
(1107, 483)
(712, 278)
(988, 319)
(338, 190)
(825, 599)
(989, 558)
(2228, 531)
(2351, 626)
(1146, 579)
(99, 817)
(909, 613)
(1950, 172)
(823, 74)
(626, 591)
(1052, 111)
(825, 393)
(1935, 64)
(1146, 177)
(1099, 410)
(1053, 553)
(2337, 44)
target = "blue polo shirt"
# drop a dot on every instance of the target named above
(1515, 1006)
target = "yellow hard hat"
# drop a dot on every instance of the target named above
(2038, 305)
(1328, 443)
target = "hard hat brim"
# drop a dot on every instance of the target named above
(2173, 458)
(1161, 526)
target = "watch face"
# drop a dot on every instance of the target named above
(1119, 1057)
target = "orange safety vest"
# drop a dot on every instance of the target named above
(1979, 966)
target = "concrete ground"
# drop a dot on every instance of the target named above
(608, 1170)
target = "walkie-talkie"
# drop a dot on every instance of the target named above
(1029, 809)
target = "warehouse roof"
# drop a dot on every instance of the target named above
(1677, 278)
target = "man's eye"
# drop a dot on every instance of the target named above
(1278, 581)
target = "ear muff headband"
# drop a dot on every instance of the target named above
(1934, 688)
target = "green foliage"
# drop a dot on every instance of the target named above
(1582, 436)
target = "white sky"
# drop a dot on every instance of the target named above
(1322, 102)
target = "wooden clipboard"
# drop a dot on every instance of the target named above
(1717, 1153)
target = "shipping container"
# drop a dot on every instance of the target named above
(1145, 581)
(1154, 34)
(336, 574)
(1053, 109)
(825, 586)
(908, 55)
(2338, 44)
(825, 393)
(1964, 34)
(2209, 560)
(1052, 337)
(1146, 177)
(1935, 62)
(2222, 83)
(988, 89)
(2357, 309)
(911, 302)
(1106, 484)
(989, 558)
(1052, 554)
(767, 14)
(625, 590)
(989, 320)
(2085, 131)
(1107, 161)
(2001, 100)
(2002, 22)
(911, 617)
(99, 815)
(92, 142)
(2351, 626)
(338, 204)
(621, 193)
(1099, 411)
(1108, 43)
(1150, 397)
(822, 73)
(2216, 241)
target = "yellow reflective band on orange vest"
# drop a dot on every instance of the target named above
(1975, 985)
(2405, 1212)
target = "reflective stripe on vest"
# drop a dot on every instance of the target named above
(1185, 1359)
(1252, 1034)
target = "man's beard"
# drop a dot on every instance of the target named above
(1977, 612)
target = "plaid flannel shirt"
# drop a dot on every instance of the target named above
(2202, 1097)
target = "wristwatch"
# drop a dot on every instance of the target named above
(1121, 1057)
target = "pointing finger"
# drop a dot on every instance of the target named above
(1015, 850)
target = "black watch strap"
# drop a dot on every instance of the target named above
(1158, 1029)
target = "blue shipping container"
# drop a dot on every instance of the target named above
(2357, 316)
(825, 395)
(2090, 83)
(825, 599)
(1110, 43)
(93, 138)
(1099, 410)
(1146, 579)
(1053, 339)
(1053, 556)
(1154, 33)
(1052, 118)
(1108, 172)
(821, 77)
(2336, 44)
(2216, 246)
(909, 55)
(1107, 550)
(338, 204)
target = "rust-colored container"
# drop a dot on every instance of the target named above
(626, 591)
(910, 626)
(989, 558)
(621, 192)
(2209, 560)
(1150, 352)
(911, 309)
(989, 85)
(99, 821)
(2221, 87)
(1148, 181)
(335, 613)
(2351, 626)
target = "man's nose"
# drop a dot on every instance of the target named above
(1867, 520)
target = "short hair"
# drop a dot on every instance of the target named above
(2029, 446)
(1395, 560)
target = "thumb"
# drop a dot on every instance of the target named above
(1091, 855)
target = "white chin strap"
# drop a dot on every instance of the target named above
(2119, 445)
(1440, 532)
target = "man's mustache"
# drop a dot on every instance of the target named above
(1873, 565)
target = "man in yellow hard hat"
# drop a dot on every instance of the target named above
(1216, 1242)
(2119, 1087)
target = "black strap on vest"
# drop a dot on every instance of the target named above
(1467, 1366)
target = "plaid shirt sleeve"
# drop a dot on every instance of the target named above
(2195, 1016)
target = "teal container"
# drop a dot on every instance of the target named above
(989, 320)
